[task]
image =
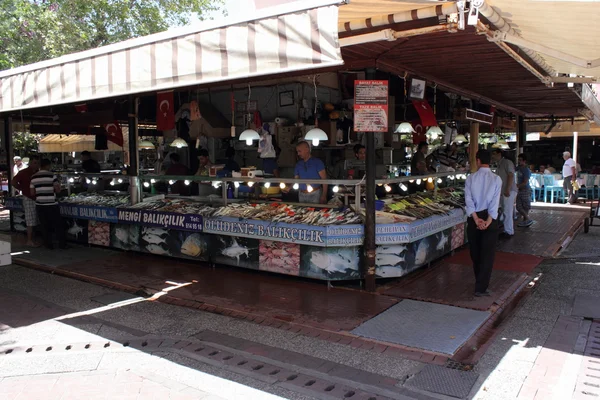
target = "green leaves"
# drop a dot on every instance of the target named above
(36, 30)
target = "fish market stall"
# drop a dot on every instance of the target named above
(265, 233)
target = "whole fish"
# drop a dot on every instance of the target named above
(391, 249)
(75, 230)
(20, 228)
(235, 251)
(155, 231)
(122, 234)
(331, 262)
(388, 259)
(18, 219)
(422, 253)
(193, 246)
(153, 239)
(158, 250)
(442, 242)
(388, 272)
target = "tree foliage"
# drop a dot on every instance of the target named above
(25, 143)
(36, 30)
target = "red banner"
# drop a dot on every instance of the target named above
(425, 113)
(114, 133)
(165, 114)
(420, 129)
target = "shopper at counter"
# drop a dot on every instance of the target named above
(524, 195)
(203, 163)
(19, 165)
(22, 182)
(177, 168)
(482, 198)
(44, 186)
(309, 167)
(419, 156)
(89, 165)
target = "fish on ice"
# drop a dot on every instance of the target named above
(235, 251)
(331, 262)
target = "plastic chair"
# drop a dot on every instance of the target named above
(551, 186)
(588, 188)
(536, 187)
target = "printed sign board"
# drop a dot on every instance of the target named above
(370, 106)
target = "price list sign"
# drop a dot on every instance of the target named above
(370, 106)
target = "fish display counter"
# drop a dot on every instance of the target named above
(292, 239)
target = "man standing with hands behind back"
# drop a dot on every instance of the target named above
(482, 196)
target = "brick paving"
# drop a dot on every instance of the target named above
(504, 261)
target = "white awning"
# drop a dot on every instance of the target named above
(278, 43)
(568, 27)
(66, 144)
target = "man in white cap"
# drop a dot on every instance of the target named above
(569, 173)
(19, 165)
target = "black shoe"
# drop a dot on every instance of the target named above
(487, 293)
(505, 236)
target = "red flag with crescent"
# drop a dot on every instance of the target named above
(165, 114)
(114, 133)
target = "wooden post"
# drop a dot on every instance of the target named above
(473, 145)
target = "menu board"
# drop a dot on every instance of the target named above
(370, 106)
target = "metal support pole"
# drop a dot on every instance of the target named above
(575, 146)
(370, 247)
(133, 150)
(473, 145)
(7, 125)
(521, 134)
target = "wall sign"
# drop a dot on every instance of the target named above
(370, 106)
(183, 222)
(102, 214)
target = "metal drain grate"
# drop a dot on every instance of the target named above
(456, 365)
(438, 379)
(588, 384)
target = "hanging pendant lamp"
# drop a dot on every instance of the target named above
(316, 134)
(179, 143)
(146, 145)
(434, 133)
(248, 136)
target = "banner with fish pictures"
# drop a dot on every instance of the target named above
(337, 235)
(410, 232)
(396, 260)
(13, 203)
(96, 213)
(167, 220)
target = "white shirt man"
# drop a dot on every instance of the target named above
(569, 173)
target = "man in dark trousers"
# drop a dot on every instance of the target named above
(482, 196)
(44, 186)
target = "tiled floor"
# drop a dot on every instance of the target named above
(504, 261)
(268, 295)
(453, 284)
(545, 237)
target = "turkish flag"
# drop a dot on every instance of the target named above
(165, 114)
(114, 133)
(425, 113)
(419, 135)
(81, 108)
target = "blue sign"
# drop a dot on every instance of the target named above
(96, 213)
(333, 236)
(13, 203)
(407, 233)
(167, 220)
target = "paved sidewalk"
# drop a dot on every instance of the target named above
(98, 385)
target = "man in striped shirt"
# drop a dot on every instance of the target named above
(44, 186)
